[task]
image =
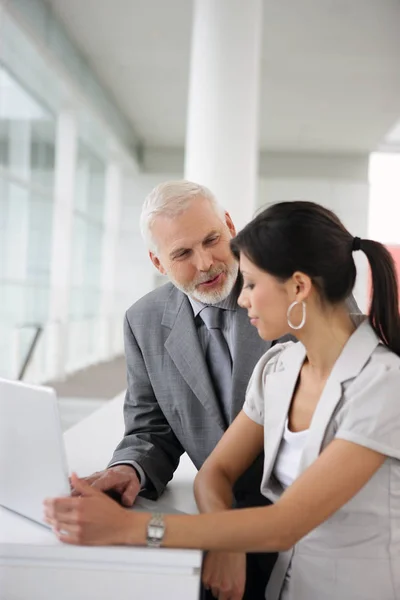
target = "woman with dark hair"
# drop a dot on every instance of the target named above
(326, 411)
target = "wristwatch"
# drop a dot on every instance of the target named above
(155, 530)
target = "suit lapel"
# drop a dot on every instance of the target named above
(351, 361)
(279, 388)
(248, 348)
(183, 346)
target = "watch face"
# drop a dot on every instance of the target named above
(155, 531)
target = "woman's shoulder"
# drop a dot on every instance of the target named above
(271, 362)
(274, 359)
(382, 360)
(385, 357)
(369, 414)
(382, 367)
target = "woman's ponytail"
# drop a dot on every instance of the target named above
(384, 309)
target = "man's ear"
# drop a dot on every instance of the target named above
(229, 224)
(156, 262)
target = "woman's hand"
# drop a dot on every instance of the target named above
(224, 573)
(92, 518)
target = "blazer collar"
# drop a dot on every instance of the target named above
(356, 352)
(350, 363)
(185, 351)
(172, 307)
(184, 348)
(279, 390)
(248, 348)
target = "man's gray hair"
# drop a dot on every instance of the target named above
(172, 198)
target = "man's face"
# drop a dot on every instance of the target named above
(193, 250)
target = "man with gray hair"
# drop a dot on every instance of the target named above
(190, 351)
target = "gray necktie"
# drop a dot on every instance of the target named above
(218, 358)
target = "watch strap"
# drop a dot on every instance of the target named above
(155, 530)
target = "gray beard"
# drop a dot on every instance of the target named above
(214, 296)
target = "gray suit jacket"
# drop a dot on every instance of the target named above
(170, 405)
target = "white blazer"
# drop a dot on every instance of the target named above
(355, 554)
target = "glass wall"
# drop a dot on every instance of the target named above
(86, 248)
(27, 146)
(59, 201)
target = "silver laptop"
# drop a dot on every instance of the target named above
(33, 464)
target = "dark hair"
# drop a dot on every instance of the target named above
(306, 237)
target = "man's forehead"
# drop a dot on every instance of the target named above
(187, 240)
(184, 232)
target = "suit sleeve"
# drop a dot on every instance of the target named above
(148, 439)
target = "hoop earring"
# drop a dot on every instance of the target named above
(303, 320)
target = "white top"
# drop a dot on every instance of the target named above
(289, 455)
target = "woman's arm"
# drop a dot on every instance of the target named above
(233, 455)
(331, 481)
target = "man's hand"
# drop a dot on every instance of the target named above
(224, 573)
(121, 479)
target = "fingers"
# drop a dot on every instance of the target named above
(81, 486)
(101, 480)
(121, 478)
(225, 591)
(66, 519)
(55, 507)
(111, 479)
(72, 536)
(225, 575)
(130, 493)
(58, 522)
(62, 514)
(215, 592)
(91, 479)
(69, 533)
(225, 594)
(105, 482)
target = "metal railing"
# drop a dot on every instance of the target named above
(32, 346)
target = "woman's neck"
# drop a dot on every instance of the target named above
(324, 337)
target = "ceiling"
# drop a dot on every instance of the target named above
(330, 68)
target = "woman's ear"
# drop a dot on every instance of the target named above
(302, 286)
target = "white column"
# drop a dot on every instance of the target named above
(20, 148)
(112, 211)
(60, 276)
(222, 130)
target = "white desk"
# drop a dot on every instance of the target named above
(34, 565)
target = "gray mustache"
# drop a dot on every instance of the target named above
(210, 275)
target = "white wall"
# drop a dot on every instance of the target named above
(385, 198)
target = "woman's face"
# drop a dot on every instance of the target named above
(266, 300)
